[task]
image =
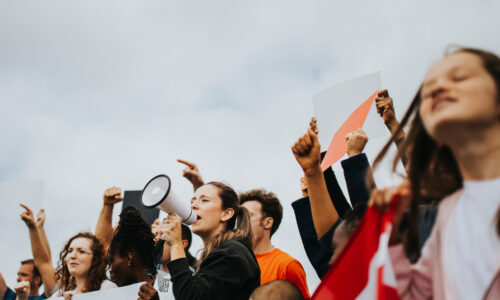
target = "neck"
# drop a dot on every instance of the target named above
(142, 276)
(478, 154)
(80, 284)
(262, 245)
(210, 236)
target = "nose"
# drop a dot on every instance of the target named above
(19, 279)
(194, 205)
(441, 86)
(437, 91)
(72, 254)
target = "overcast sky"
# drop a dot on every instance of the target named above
(102, 93)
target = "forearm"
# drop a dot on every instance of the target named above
(185, 285)
(3, 285)
(176, 252)
(318, 252)
(104, 228)
(393, 126)
(22, 297)
(356, 169)
(42, 259)
(45, 241)
(40, 253)
(323, 212)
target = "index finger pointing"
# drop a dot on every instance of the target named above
(187, 163)
(25, 207)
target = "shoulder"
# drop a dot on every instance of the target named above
(234, 245)
(447, 206)
(233, 250)
(283, 257)
(107, 284)
(9, 294)
(449, 202)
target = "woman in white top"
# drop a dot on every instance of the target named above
(81, 266)
(453, 147)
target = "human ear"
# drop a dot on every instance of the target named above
(227, 215)
(185, 243)
(38, 280)
(130, 259)
(268, 223)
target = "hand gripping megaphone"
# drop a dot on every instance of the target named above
(158, 193)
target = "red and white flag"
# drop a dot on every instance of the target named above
(363, 270)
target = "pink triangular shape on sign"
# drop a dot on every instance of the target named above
(338, 144)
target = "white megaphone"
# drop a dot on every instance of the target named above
(158, 193)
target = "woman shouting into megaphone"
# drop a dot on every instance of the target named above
(227, 268)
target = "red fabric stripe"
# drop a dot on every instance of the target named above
(348, 275)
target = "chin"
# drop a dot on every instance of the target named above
(77, 272)
(195, 230)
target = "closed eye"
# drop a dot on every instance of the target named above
(459, 78)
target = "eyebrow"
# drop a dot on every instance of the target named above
(78, 248)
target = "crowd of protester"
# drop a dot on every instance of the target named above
(444, 243)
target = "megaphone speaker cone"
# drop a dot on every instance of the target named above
(155, 191)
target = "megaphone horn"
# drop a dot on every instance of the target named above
(158, 193)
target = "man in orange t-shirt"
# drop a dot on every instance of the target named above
(265, 216)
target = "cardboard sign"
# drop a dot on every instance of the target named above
(133, 198)
(344, 108)
(128, 292)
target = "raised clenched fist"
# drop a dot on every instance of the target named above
(356, 142)
(112, 195)
(307, 150)
(22, 290)
(385, 107)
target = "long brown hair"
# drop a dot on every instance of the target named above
(96, 273)
(432, 168)
(238, 227)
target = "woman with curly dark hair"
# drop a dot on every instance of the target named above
(81, 266)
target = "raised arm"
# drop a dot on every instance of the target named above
(385, 109)
(3, 286)
(40, 221)
(356, 168)
(104, 229)
(40, 254)
(307, 153)
(192, 174)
